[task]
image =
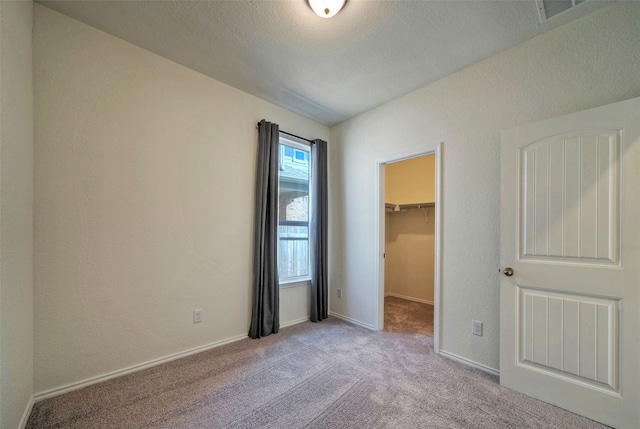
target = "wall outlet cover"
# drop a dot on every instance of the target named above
(476, 327)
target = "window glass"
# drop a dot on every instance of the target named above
(293, 212)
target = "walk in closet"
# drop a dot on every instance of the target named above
(409, 238)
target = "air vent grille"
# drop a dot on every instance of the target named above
(550, 8)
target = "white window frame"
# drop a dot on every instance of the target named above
(297, 144)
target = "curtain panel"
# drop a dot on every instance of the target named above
(319, 245)
(266, 286)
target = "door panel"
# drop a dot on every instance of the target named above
(569, 335)
(569, 229)
(570, 198)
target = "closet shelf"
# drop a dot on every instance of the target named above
(399, 207)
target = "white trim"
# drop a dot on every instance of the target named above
(100, 378)
(408, 298)
(466, 361)
(415, 153)
(27, 413)
(354, 321)
(437, 280)
(294, 322)
(295, 142)
(295, 283)
(379, 251)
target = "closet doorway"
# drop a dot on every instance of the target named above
(409, 242)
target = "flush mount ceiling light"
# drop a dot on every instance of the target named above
(326, 8)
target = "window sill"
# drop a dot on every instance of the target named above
(295, 283)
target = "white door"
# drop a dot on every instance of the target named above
(570, 232)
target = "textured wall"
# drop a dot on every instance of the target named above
(16, 208)
(411, 181)
(586, 63)
(144, 190)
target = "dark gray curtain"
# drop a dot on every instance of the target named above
(319, 213)
(265, 313)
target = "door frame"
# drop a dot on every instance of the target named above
(380, 231)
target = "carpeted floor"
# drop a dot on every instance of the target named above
(313, 375)
(401, 315)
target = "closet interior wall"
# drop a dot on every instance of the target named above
(409, 229)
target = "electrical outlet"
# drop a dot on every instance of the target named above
(339, 293)
(476, 327)
(197, 315)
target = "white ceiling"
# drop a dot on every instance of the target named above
(326, 69)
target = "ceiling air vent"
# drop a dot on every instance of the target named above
(550, 8)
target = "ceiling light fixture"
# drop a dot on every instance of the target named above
(326, 8)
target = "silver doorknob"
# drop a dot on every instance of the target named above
(508, 271)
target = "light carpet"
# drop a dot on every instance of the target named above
(313, 375)
(401, 315)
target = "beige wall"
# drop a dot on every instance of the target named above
(411, 181)
(144, 195)
(16, 208)
(409, 252)
(586, 63)
(409, 234)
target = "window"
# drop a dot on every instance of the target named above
(293, 212)
(301, 156)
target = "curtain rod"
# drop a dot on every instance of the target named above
(292, 135)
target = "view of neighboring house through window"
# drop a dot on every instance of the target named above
(293, 212)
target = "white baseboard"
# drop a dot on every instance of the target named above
(469, 362)
(409, 298)
(294, 322)
(27, 413)
(100, 378)
(354, 321)
(88, 382)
